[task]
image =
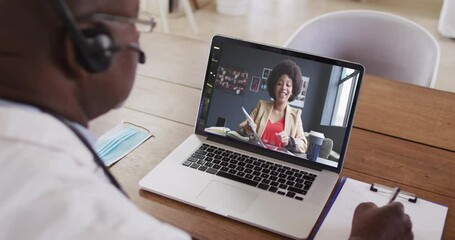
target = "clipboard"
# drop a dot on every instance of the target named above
(337, 218)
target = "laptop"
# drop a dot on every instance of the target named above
(222, 171)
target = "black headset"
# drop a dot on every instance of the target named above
(94, 46)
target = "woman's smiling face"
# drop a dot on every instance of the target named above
(283, 89)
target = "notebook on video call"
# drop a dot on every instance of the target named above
(237, 175)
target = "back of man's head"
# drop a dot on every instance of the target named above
(40, 62)
(26, 26)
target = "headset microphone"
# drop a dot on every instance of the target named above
(131, 46)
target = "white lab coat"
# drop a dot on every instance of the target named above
(50, 187)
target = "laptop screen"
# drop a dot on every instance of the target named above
(290, 105)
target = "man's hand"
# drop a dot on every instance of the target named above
(387, 222)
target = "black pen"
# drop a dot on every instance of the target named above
(394, 196)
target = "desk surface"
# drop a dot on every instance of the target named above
(401, 137)
(407, 111)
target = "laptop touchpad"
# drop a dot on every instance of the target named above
(221, 197)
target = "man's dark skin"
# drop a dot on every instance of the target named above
(38, 66)
(38, 63)
(388, 222)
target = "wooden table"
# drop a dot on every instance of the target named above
(402, 136)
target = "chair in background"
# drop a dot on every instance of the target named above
(446, 25)
(163, 4)
(387, 45)
(188, 11)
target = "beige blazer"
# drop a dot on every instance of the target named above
(292, 124)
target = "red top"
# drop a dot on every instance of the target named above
(269, 136)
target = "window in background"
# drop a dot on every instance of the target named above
(344, 97)
(339, 97)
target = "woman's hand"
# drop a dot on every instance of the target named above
(250, 128)
(284, 137)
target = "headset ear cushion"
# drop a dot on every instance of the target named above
(97, 53)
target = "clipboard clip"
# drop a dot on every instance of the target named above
(411, 197)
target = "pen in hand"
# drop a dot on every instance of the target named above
(394, 196)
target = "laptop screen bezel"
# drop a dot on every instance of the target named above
(219, 40)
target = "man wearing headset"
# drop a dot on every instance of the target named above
(63, 63)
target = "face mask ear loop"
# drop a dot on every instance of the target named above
(143, 128)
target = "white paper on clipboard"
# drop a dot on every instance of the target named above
(337, 223)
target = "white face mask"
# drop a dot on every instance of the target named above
(119, 141)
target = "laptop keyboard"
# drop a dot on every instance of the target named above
(273, 177)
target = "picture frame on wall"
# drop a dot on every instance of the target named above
(300, 100)
(231, 79)
(266, 73)
(263, 85)
(255, 82)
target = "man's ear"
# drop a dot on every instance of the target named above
(72, 64)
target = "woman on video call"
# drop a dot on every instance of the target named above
(276, 122)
